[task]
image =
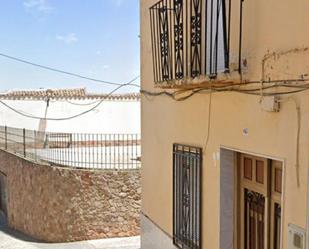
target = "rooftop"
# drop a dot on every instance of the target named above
(65, 94)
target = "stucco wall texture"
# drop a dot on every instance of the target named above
(56, 204)
(271, 38)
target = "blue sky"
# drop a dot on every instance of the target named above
(95, 38)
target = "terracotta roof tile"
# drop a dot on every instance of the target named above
(61, 94)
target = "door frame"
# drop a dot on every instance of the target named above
(236, 151)
(307, 222)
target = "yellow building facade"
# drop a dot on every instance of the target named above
(225, 109)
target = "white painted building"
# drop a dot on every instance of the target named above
(119, 113)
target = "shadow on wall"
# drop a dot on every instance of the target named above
(11, 232)
(3, 219)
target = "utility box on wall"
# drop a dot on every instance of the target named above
(296, 237)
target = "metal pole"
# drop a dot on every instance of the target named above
(6, 137)
(24, 141)
(240, 37)
(35, 146)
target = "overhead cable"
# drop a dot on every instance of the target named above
(70, 117)
(82, 104)
(238, 87)
(64, 72)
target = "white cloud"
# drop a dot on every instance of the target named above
(68, 38)
(105, 67)
(38, 5)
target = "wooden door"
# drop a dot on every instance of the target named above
(259, 197)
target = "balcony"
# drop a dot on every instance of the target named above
(190, 40)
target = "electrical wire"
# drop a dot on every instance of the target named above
(238, 87)
(70, 117)
(63, 72)
(82, 104)
(208, 123)
(175, 95)
(298, 121)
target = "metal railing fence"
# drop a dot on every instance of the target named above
(77, 150)
(190, 38)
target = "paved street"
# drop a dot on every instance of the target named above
(13, 240)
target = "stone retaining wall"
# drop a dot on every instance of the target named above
(57, 204)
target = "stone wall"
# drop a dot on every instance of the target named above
(57, 204)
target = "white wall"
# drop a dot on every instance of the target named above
(109, 117)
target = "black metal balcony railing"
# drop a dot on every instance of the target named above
(190, 38)
(76, 150)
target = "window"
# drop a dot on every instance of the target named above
(190, 38)
(187, 163)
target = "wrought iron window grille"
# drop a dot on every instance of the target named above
(190, 38)
(187, 163)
